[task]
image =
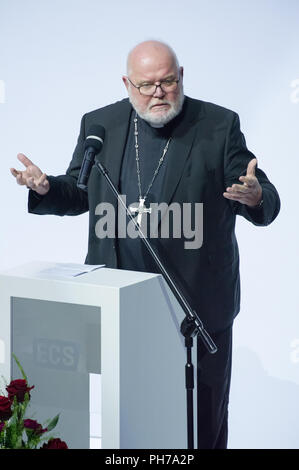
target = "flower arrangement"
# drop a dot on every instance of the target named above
(17, 431)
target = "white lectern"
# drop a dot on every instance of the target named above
(103, 349)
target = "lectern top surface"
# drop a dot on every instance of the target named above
(52, 271)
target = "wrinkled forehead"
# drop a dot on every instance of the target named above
(152, 65)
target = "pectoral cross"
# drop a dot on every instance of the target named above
(141, 209)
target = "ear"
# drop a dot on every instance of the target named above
(181, 72)
(126, 81)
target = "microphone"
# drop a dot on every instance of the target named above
(93, 145)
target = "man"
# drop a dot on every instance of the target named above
(162, 146)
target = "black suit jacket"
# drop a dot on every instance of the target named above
(209, 154)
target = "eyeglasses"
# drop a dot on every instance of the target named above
(149, 89)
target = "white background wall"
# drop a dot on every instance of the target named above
(62, 58)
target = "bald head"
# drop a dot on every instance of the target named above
(151, 54)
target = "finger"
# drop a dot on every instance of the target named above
(251, 167)
(239, 188)
(30, 183)
(41, 181)
(235, 197)
(248, 181)
(14, 172)
(238, 193)
(20, 178)
(25, 160)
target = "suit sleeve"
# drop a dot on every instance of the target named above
(63, 198)
(236, 160)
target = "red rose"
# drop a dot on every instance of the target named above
(55, 444)
(18, 388)
(5, 408)
(34, 426)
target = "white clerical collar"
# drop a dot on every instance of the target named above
(157, 126)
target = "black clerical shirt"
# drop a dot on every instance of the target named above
(132, 254)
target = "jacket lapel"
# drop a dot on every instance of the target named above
(116, 135)
(183, 138)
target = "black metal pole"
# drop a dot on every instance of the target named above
(189, 377)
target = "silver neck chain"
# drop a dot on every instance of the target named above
(138, 162)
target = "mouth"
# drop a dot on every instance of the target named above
(160, 106)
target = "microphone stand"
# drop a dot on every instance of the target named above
(191, 326)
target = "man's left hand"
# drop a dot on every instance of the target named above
(250, 192)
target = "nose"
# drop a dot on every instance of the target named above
(159, 92)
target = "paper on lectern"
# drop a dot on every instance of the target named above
(70, 269)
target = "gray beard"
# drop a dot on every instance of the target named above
(159, 121)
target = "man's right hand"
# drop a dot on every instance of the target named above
(32, 176)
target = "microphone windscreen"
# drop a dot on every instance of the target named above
(95, 137)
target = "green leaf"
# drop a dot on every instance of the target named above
(20, 367)
(53, 423)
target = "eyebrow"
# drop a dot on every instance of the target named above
(169, 77)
